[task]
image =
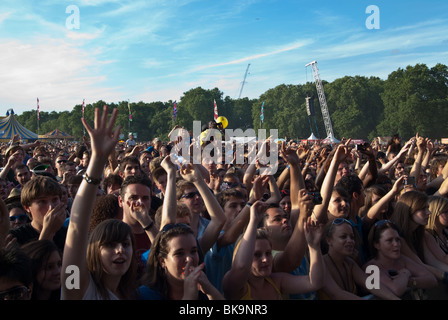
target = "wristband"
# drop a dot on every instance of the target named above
(91, 180)
(149, 226)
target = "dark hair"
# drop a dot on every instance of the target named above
(128, 159)
(15, 265)
(351, 183)
(39, 251)
(106, 207)
(375, 234)
(110, 180)
(225, 195)
(137, 179)
(155, 276)
(106, 232)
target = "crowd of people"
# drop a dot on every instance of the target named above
(107, 220)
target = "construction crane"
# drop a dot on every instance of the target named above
(244, 80)
(323, 101)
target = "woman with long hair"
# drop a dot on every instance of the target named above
(175, 268)
(103, 265)
(399, 273)
(411, 215)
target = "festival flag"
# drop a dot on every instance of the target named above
(83, 106)
(38, 109)
(216, 110)
(174, 110)
(262, 112)
(130, 115)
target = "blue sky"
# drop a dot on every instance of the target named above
(156, 50)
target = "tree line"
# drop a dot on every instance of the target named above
(410, 100)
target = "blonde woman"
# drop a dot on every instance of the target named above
(436, 235)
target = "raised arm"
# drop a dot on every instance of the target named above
(217, 217)
(240, 222)
(320, 211)
(234, 281)
(169, 208)
(290, 258)
(103, 138)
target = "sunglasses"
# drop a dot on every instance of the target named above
(20, 218)
(339, 221)
(15, 293)
(190, 195)
(382, 222)
(61, 161)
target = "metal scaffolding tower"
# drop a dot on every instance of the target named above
(244, 81)
(322, 100)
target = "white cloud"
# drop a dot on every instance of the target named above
(59, 74)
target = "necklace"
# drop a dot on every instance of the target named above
(344, 283)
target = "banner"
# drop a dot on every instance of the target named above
(130, 115)
(262, 112)
(38, 109)
(174, 110)
(215, 110)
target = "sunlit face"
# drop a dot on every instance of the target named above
(136, 197)
(49, 275)
(131, 169)
(343, 170)
(262, 258)
(116, 257)
(39, 208)
(233, 207)
(85, 160)
(342, 240)
(195, 203)
(161, 183)
(23, 176)
(339, 206)
(182, 248)
(59, 162)
(421, 216)
(443, 218)
(399, 170)
(389, 244)
(278, 224)
(285, 204)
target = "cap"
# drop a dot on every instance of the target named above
(39, 168)
(14, 196)
(11, 149)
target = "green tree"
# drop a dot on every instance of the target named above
(415, 101)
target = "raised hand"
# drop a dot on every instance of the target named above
(103, 137)
(313, 233)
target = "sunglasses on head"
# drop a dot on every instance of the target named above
(381, 222)
(20, 218)
(190, 195)
(339, 221)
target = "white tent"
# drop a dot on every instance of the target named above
(312, 137)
